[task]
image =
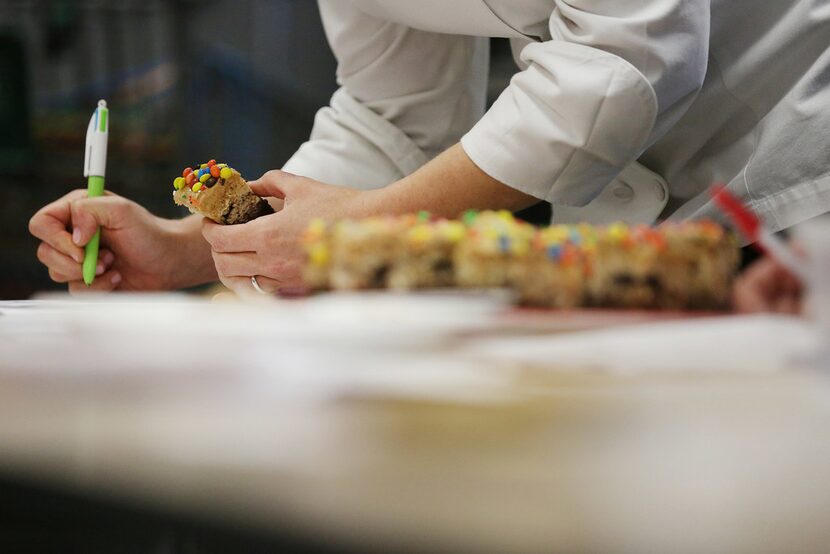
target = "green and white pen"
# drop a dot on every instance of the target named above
(95, 169)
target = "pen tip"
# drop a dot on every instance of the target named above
(102, 103)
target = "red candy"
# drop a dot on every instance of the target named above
(214, 171)
(190, 177)
(211, 163)
(187, 171)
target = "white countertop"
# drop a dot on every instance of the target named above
(404, 433)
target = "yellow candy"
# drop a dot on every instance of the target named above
(178, 183)
(617, 231)
(203, 166)
(454, 231)
(557, 233)
(421, 233)
(204, 178)
(318, 254)
(226, 173)
(196, 187)
(505, 215)
(220, 166)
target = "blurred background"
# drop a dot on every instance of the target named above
(237, 80)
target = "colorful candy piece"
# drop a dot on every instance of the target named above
(178, 183)
(215, 171)
(319, 254)
(204, 177)
(226, 173)
(211, 163)
(554, 251)
(469, 217)
(197, 187)
(190, 178)
(187, 171)
(210, 182)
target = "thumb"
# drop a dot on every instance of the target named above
(108, 212)
(276, 183)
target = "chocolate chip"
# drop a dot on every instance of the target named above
(210, 182)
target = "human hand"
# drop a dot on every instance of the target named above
(139, 251)
(767, 287)
(269, 247)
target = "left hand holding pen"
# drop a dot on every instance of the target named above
(269, 247)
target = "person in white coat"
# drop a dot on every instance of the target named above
(619, 110)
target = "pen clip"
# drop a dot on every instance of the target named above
(90, 131)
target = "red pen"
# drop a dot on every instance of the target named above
(751, 227)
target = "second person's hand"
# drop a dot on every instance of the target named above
(269, 247)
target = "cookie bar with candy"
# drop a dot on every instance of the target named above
(218, 192)
(495, 241)
(363, 252)
(425, 254)
(676, 266)
(680, 266)
(552, 273)
(315, 242)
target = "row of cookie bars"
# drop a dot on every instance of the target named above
(674, 266)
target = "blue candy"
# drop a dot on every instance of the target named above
(554, 252)
(504, 243)
(203, 171)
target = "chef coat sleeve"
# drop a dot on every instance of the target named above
(405, 95)
(614, 77)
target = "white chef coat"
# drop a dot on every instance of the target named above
(619, 110)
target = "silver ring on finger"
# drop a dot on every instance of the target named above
(255, 284)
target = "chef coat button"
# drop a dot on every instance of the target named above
(623, 192)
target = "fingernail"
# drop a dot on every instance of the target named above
(116, 278)
(76, 236)
(78, 258)
(99, 269)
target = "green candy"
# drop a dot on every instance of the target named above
(469, 217)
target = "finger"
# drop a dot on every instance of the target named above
(231, 238)
(66, 267)
(58, 277)
(88, 214)
(788, 305)
(49, 224)
(238, 264)
(106, 257)
(276, 183)
(61, 267)
(276, 203)
(107, 282)
(745, 297)
(761, 277)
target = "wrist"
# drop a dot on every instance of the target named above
(190, 262)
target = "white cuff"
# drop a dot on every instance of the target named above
(567, 125)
